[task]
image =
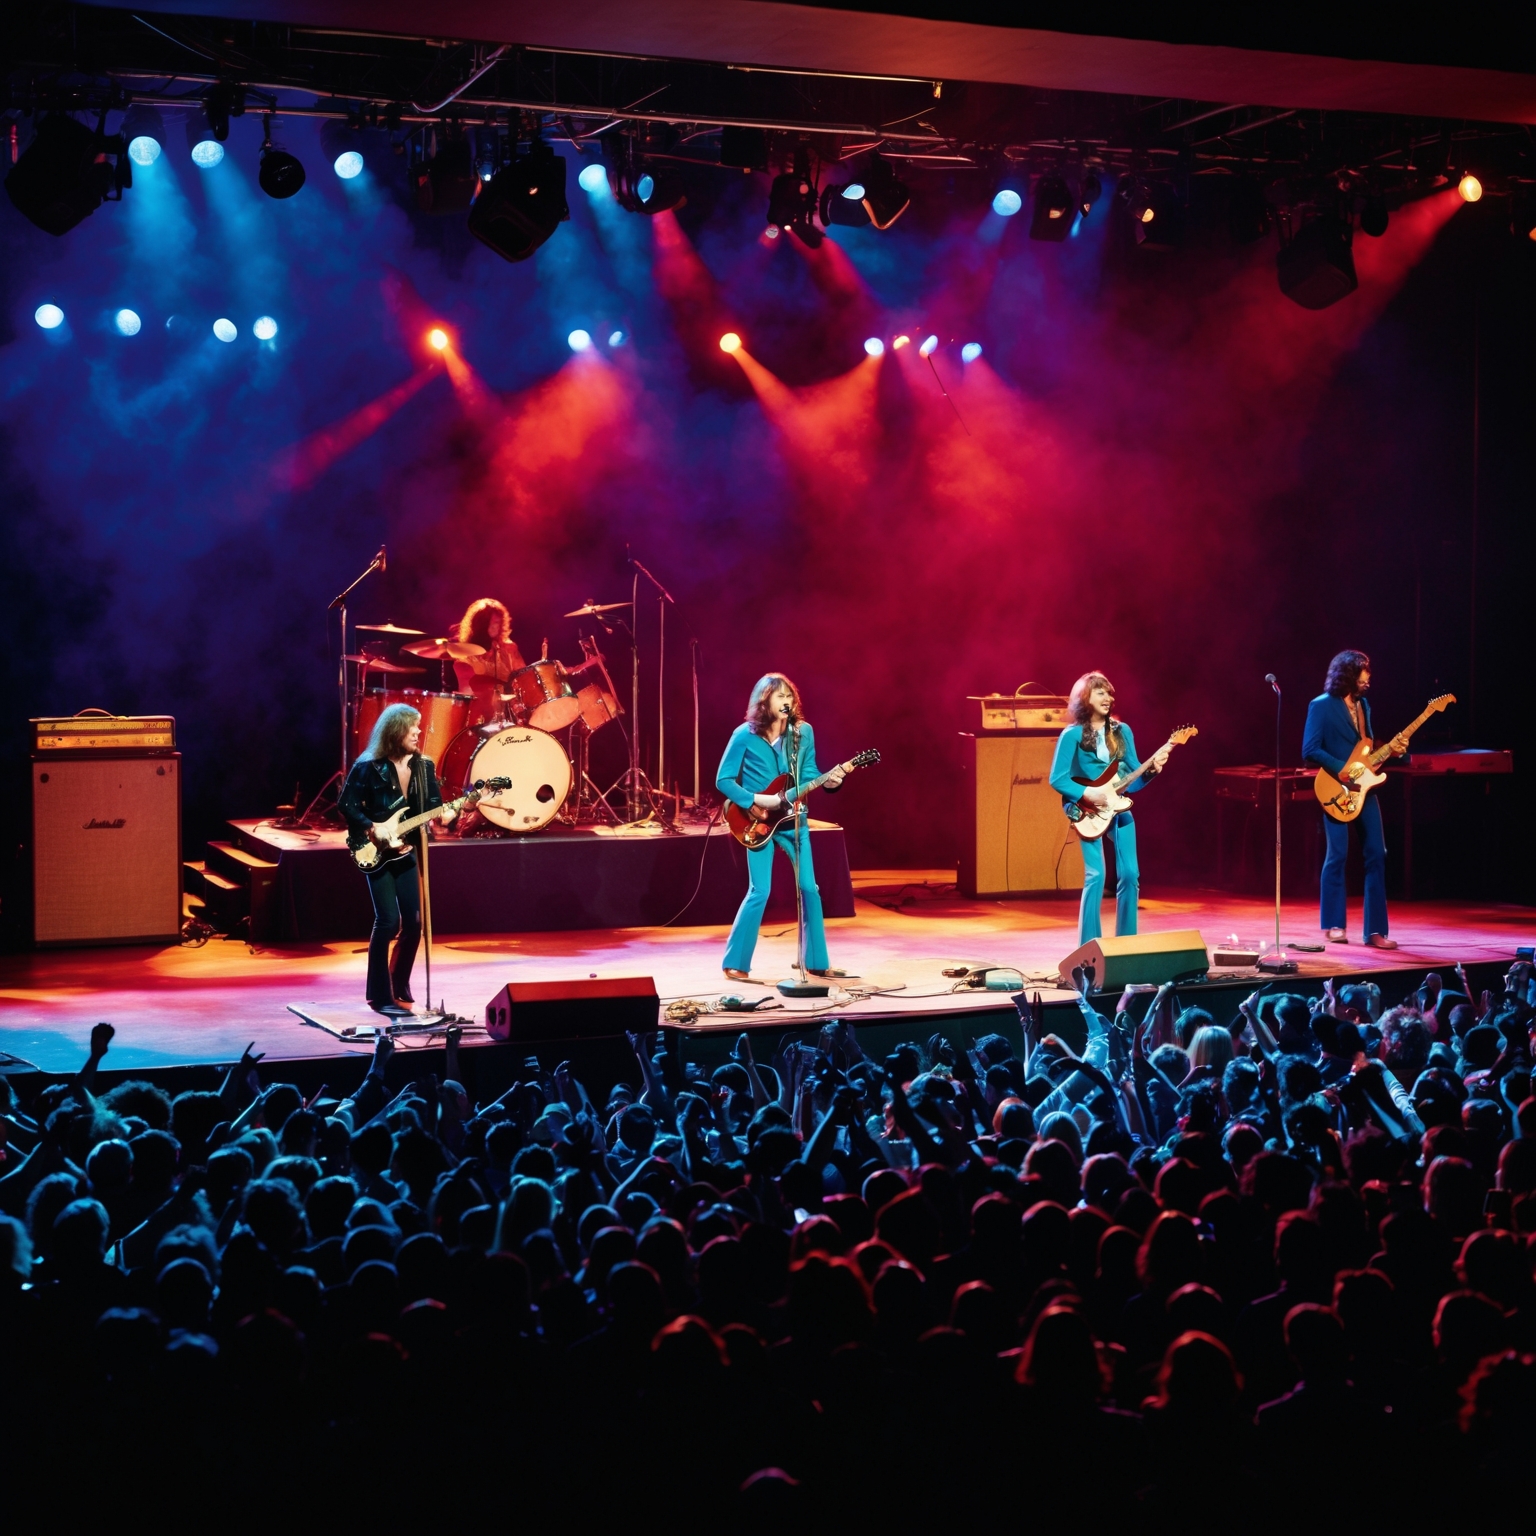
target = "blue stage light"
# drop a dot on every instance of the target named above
(1007, 203)
(970, 352)
(348, 164)
(929, 347)
(144, 150)
(579, 340)
(645, 186)
(854, 191)
(265, 328)
(49, 316)
(127, 323)
(593, 178)
(875, 347)
(617, 338)
(225, 330)
(207, 153)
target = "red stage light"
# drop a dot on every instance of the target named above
(730, 342)
(1470, 188)
(437, 339)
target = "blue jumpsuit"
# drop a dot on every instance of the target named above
(749, 765)
(1327, 741)
(1074, 763)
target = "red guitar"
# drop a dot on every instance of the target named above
(753, 828)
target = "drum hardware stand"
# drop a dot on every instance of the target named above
(800, 984)
(1275, 961)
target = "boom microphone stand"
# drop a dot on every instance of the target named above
(663, 597)
(1275, 961)
(799, 985)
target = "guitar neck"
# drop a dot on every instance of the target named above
(1381, 754)
(800, 791)
(1131, 778)
(412, 822)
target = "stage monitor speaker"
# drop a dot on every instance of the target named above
(106, 849)
(587, 1009)
(1015, 840)
(1144, 957)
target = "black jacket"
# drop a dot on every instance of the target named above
(372, 793)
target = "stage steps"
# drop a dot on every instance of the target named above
(234, 885)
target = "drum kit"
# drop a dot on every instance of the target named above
(537, 733)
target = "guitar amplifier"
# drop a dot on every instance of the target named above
(1014, 840)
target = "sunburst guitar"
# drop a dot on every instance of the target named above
(755, 827)
(1343, 798)
(1091, 822)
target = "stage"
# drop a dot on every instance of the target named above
(196, 1007)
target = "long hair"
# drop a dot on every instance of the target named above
(1344, 672)
(475, 626)
(1082, 712)
(760, 711)
(390, 730)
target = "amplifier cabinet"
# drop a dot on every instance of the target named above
(1014, 840)
(106, 849)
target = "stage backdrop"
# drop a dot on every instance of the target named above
(1156, 466)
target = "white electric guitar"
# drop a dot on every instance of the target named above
(386, 843)
(1092, 821)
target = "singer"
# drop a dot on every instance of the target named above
(774, 738)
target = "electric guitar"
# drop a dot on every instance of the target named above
(753, 828)
(1091, 822)
(1344, 798)
(387, 845)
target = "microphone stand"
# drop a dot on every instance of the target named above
(663, 597)
(799, 985)
(1275, 961)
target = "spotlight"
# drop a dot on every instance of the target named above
(1317, 268)
(1006, 202)
(900, 342)
(144, 134)
(885, 197)
(771, 232)
(1157, 215)
(207, 153)
(730, 342)
(348, 164)
(265, 328)
(579, 340)
(1051, 218)
(1088, 193)
(437, 339)
(970, 352)
(127, 323)
(843, 203)
(929, 347)
(875, 347)
(51, 317)
(646, 191)
(225, 330)
(64, 176)
(792, 200)
(1373, 215)
(593, 179)
(222, 102)
(522, 205)
(616, 338)
(1470, 187)
(281, 174)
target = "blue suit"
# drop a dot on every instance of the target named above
(749, 766)
(1326, 742)
(1072, 767)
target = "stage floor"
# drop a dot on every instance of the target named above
(180, 1006)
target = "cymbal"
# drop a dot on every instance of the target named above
(590, 607)
(444, 650)
(390, 629)
(373, 664)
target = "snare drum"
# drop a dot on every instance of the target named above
(534, 761)
(544, 693)
(443, 716)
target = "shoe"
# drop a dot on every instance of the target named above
(1335, 936)
(731, 975)
(842, 974)
(391, 1007)
(1380, 941)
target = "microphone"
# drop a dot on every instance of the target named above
(381, 559)
(1269, 677)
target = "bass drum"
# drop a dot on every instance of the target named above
(534, 761)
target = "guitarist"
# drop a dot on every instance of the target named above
(773, 739)
(391, 769)
(1083, 751)
(1338, 719)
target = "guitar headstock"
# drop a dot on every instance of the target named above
(1183, 734)
(1439, 704)
(489, 786)
(865, 759)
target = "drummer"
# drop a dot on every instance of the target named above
(487, 623)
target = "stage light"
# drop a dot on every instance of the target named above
(646, 191)
(51, 317)
(593, 179)
(900, 342)
(437, 338)
(579, 340)
(1470, 187)
(772, 232)
(854, 192)
(970, 352)
(522, 205)
(225, 330)
(730, 342)
(1007, 203)
(265, 328)
(885, 197)
(127, 323)
(64, 175)
(281, 174)
(1157, 215)
(1051, 218)
(929, 347)
(1373, 215)
(143, 132)
(348, 164)
(143, 150)
(222, 102)
(645, 187)
(1088, 193)
(616, 338)
(792, 201)
(843, 203)
(207, 153)
(875, 347)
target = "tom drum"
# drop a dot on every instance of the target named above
(443, 716)
(534, 761)
(544, 695)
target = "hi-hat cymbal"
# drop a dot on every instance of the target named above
(389, 629)
(591, 607)
(374, 664)
(445, 650)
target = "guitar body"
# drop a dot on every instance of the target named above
(752, 829)
(370, 856)
(1344, 801)
(1095, 821)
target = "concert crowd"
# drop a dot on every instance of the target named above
(1158, 1266)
